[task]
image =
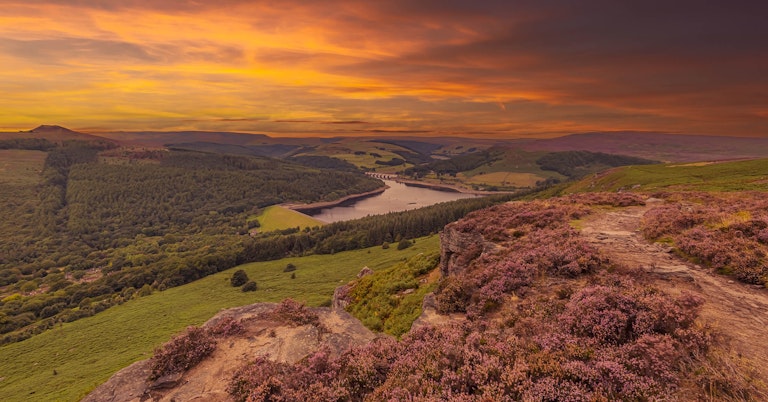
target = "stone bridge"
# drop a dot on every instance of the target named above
(383, 176)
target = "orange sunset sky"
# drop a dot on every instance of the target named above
(484, 68)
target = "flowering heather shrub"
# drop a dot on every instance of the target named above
(612, 340)
(259, 380)
(622, 199)
(536, 239)
(182, 352)
(317, 377)
(494, 223)
(762, 236)
(291, 312)
(613, 315)
(668, 219)
(227, 326)
(728, 233)
(541, 351)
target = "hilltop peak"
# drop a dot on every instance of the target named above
(46, 128)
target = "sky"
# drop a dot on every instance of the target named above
(504, 69)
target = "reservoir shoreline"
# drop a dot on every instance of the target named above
(307, 208)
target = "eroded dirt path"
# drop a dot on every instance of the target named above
(737, 310)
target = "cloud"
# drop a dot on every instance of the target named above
(508, 67)
(53, 51)
(346, 122)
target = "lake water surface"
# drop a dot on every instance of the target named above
(398, 197)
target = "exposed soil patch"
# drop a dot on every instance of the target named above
(738, 311)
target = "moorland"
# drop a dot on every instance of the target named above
(118, 245)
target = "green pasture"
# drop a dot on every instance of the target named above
(278, 218)
(717, 176)
(345, 150)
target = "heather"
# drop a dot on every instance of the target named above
(292, 313)
(186, 350)
(546, 321)
(614, 340)
(728, 233)
(533, 240)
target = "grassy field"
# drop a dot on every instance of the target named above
(359, 153)
(65, 363)
(503, 179)
(515, 168)
(279, 218)
(721, 176)
(19, 167)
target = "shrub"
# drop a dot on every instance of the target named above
(534, 239)
(404, 244)
(727, 233)
(239, 278)
(291, 312)
(250, 286)
(182, 352)
(227, 326)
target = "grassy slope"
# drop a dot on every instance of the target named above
(279, 218)
(346, 149)
(86, 352)
(382, 301)
(515, 168)
(723, 176)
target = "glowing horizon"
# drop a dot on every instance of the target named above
(498, 69)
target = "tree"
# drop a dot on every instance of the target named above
(250, 286)
(239, 278)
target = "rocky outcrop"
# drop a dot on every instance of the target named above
(459, 248)
(364, 272)
(338, 332)
(340, 299)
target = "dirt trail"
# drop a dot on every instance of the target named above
(737, 310)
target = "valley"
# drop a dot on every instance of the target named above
(120, 246)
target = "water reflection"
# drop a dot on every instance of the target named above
(398, 197)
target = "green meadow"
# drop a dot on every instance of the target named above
(705, 176)
(278, 218)
(65, 363)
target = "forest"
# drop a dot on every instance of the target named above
(100, 228)
(89, 232)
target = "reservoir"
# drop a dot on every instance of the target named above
(398, 197)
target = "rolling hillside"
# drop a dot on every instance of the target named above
(702, 176)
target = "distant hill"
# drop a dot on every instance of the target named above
(54, 133)
(657, 146)
(162, 138)
(415, 150)
(270, 150)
